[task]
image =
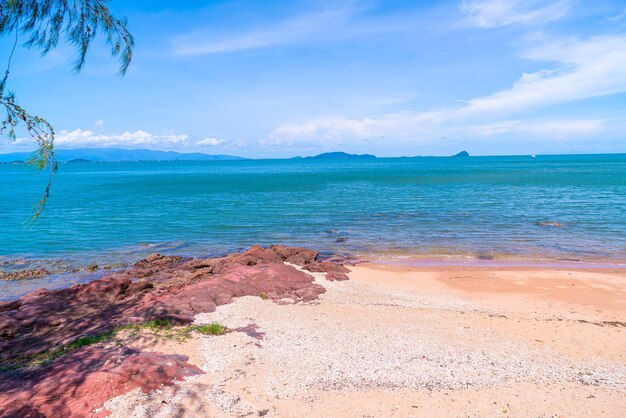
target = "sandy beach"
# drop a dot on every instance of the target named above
(409, 341)
(349, 208)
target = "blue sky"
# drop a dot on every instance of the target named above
(278, 79)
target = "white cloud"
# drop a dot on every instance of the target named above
(211, 141)
(337, 127)
(343, 21)
(84, 138)
(494, 13)
(586, 69)
(99, 123)
(553, 129)
(308, 129)
(292, 31)
(616, 17)
(583, 69)
(424, 128)
(87, 138)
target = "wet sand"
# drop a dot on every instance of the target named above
(411, 341)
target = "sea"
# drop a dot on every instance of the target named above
(557, 208)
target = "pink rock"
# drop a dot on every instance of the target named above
(79, 382)
(295, 255)
(333, 271)
(158, 287)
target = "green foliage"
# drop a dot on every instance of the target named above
(156, 324)
(40, 130)
(160, 327)
(164, 328)
(210, 329)
(89, 340)
(48, 356)
(44, 23)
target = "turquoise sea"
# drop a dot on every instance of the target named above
(477, 207)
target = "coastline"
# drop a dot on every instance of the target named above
(69, 270)
(407, 341)
(416, 259)
(391, 340)
(443, 263)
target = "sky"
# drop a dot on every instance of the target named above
(277, 79)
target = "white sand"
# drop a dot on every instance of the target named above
(403, 342)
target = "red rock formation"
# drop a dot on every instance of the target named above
(158, 287)
(74, 384)
(295, 255)
(333, 271)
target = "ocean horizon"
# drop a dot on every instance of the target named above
(555, 208)
(288, 209)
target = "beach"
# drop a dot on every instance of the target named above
(396, 340)
(335, 209)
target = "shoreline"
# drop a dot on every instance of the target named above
(406, 341)
(60, 277)
(121, 259)
(430, 259)
(305, 334)
(451, 261)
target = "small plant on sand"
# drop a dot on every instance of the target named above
(157, 324)
(162, 328)
(47, 356)
(264, 296)
(210, 329)
(89, 340)
(154, 325)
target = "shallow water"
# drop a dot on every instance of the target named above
(478, 207)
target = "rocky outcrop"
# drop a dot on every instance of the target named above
(295, 255)
(157, 288)
(333, 271)
(75, 384)
(308, 260)
(23, 274)
(550, 224)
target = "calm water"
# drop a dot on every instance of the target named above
(478, 207)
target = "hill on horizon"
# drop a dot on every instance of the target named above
(338, 156)
(119, 154)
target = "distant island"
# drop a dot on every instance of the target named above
(93, 155)
(340, 156)
(85, 155)
(79, 160)
(462, 154)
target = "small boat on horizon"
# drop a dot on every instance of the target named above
(533, 156)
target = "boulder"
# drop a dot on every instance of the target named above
(23, 274)
(333, 271)
(81, 381)
(295, 255)
(550, 224)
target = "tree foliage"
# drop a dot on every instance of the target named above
(43, 23)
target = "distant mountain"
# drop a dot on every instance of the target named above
(340, 156)
(79, 160)
(118, 154)
(462, 154)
